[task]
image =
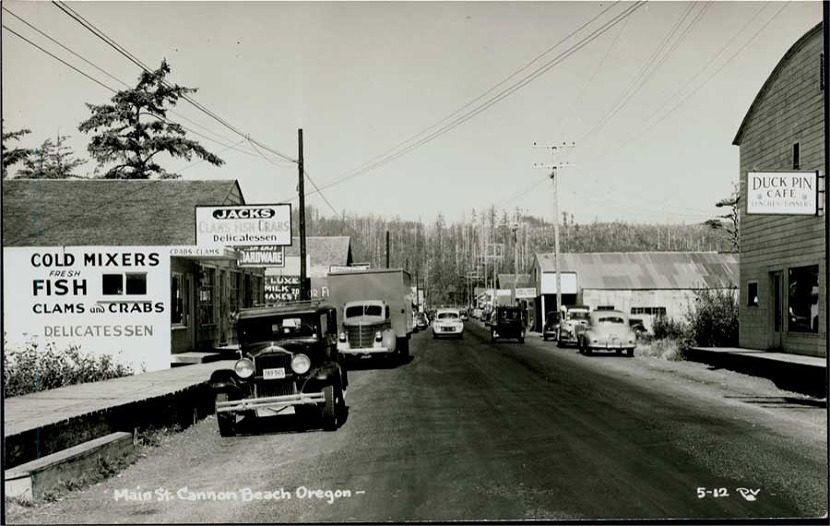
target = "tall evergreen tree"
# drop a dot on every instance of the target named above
(132, 130)
(12, 156)
(51, 160)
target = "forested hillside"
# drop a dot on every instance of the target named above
(442, 254)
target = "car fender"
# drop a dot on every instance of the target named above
(224, 381)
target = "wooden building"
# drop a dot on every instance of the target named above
(783, 302)
(128, 247)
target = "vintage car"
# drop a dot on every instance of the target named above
(421, 321)
(507, 322)
(464, 315)
(551, 327)
(448, 323)
(607, 330)
(289, 363)
(572, 321)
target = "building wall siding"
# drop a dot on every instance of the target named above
(789, 111)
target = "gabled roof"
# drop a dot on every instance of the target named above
(506, 281)
(324, 250)
(75, 212)
(647, 270)
(772, 77)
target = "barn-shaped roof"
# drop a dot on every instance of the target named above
(118, 212)
(324, 250)
(814, 32)
(647, 270)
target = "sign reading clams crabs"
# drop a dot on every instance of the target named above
(789, 193)
(243, 225)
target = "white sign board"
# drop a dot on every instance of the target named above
(105, 300)
(787, 193)
(504, 292)
(568, 280)
(243, 225)
(525, 293)
(261, 256)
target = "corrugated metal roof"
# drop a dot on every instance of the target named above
(73, 212)
(647, 270)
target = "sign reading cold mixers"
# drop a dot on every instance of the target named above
(106, 300)
(781, 193)
(243, 226)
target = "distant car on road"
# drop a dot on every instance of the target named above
(464, 316)
(507, 322)
(551, 328)
(572, 321)
(607, 330)
(448, 323)
(421, 321)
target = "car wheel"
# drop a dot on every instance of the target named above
(630, 353)
(522, 339)
(226, 421)
(333, 395)
(619, 352)
(588, 350)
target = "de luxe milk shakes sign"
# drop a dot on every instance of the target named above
(106, 300)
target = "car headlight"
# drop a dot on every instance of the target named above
(244, 368)
(378, 336)
(342, 336)
(300, 364)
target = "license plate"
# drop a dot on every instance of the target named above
(273, 374)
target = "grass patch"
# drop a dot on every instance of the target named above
(668, 349)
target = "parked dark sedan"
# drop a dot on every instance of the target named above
(289, 360)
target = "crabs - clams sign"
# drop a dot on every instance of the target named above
(243, 225)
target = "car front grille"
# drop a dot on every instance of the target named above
(364, 335)
(275, 387)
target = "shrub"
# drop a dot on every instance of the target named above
(668, 328)
(713, 321)
(38, 368)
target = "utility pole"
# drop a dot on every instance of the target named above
(304, 295)
(555, 180)
(387, 249)
(515, 259)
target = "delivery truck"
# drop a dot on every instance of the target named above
(374, 311)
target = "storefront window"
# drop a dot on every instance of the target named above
(752, 294)
(112, 284)
(803, 299)
(207, 282)
(178, 296)
(137, 283)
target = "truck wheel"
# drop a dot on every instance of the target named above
(332, 406)
(403, 349)
(226, 421)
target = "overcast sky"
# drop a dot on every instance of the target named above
(652, 102)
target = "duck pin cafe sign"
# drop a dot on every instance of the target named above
(243, 225)
(782, 193)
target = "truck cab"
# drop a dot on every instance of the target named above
(366, 329)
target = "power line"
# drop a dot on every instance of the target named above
(89, 26)
(65, 63)
(643, 75)
(392, 155)
(682, 100)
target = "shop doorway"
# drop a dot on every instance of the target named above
(776, 309)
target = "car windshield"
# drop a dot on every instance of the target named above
(278, 327)
(360, 310)
(610, 319)
(579, 315)
(447, 315)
